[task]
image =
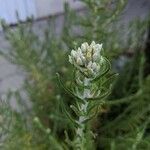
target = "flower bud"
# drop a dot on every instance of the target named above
(70, 59)
(94, 66)
(73, 53)
(48, 131)
(90, 71)
(101, 59)
(84, 47)
(87, 58)
(36, 119)
(95, 57)
(79, 51)
(79, 61)
(99, 46)
(89, 66)
(83, 59)
(98, 68)
(92, 44)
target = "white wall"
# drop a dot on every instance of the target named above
(8, 9)
(36, 8)
(50, 7)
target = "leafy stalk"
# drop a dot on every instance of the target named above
(90, 77)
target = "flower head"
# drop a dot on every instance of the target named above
(87, 58)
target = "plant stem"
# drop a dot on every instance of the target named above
(81, 130)
(124, 100)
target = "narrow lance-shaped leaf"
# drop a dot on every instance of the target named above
(94, 105)
(92, 116)
(68, 114)
(66, 89)
(100, 97)
(111, 77)
(75, 110)
(106, 70)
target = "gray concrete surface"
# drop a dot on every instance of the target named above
(11, 77)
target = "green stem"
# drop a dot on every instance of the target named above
(124, 100)
(81, 130)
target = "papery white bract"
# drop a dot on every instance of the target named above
(87, 58)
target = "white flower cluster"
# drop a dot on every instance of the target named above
(87, 58)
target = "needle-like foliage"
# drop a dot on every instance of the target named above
(53, 117)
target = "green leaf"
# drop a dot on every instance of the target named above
(91, 117)
(75, 110)
(68, 115)
(110, 78)
(67, 140)
(100, 97)
(67, 90)
(105, 71)
(94, 105)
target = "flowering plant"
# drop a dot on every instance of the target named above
(87, 59)
(89, 89)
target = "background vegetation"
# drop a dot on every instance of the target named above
(124, 122)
